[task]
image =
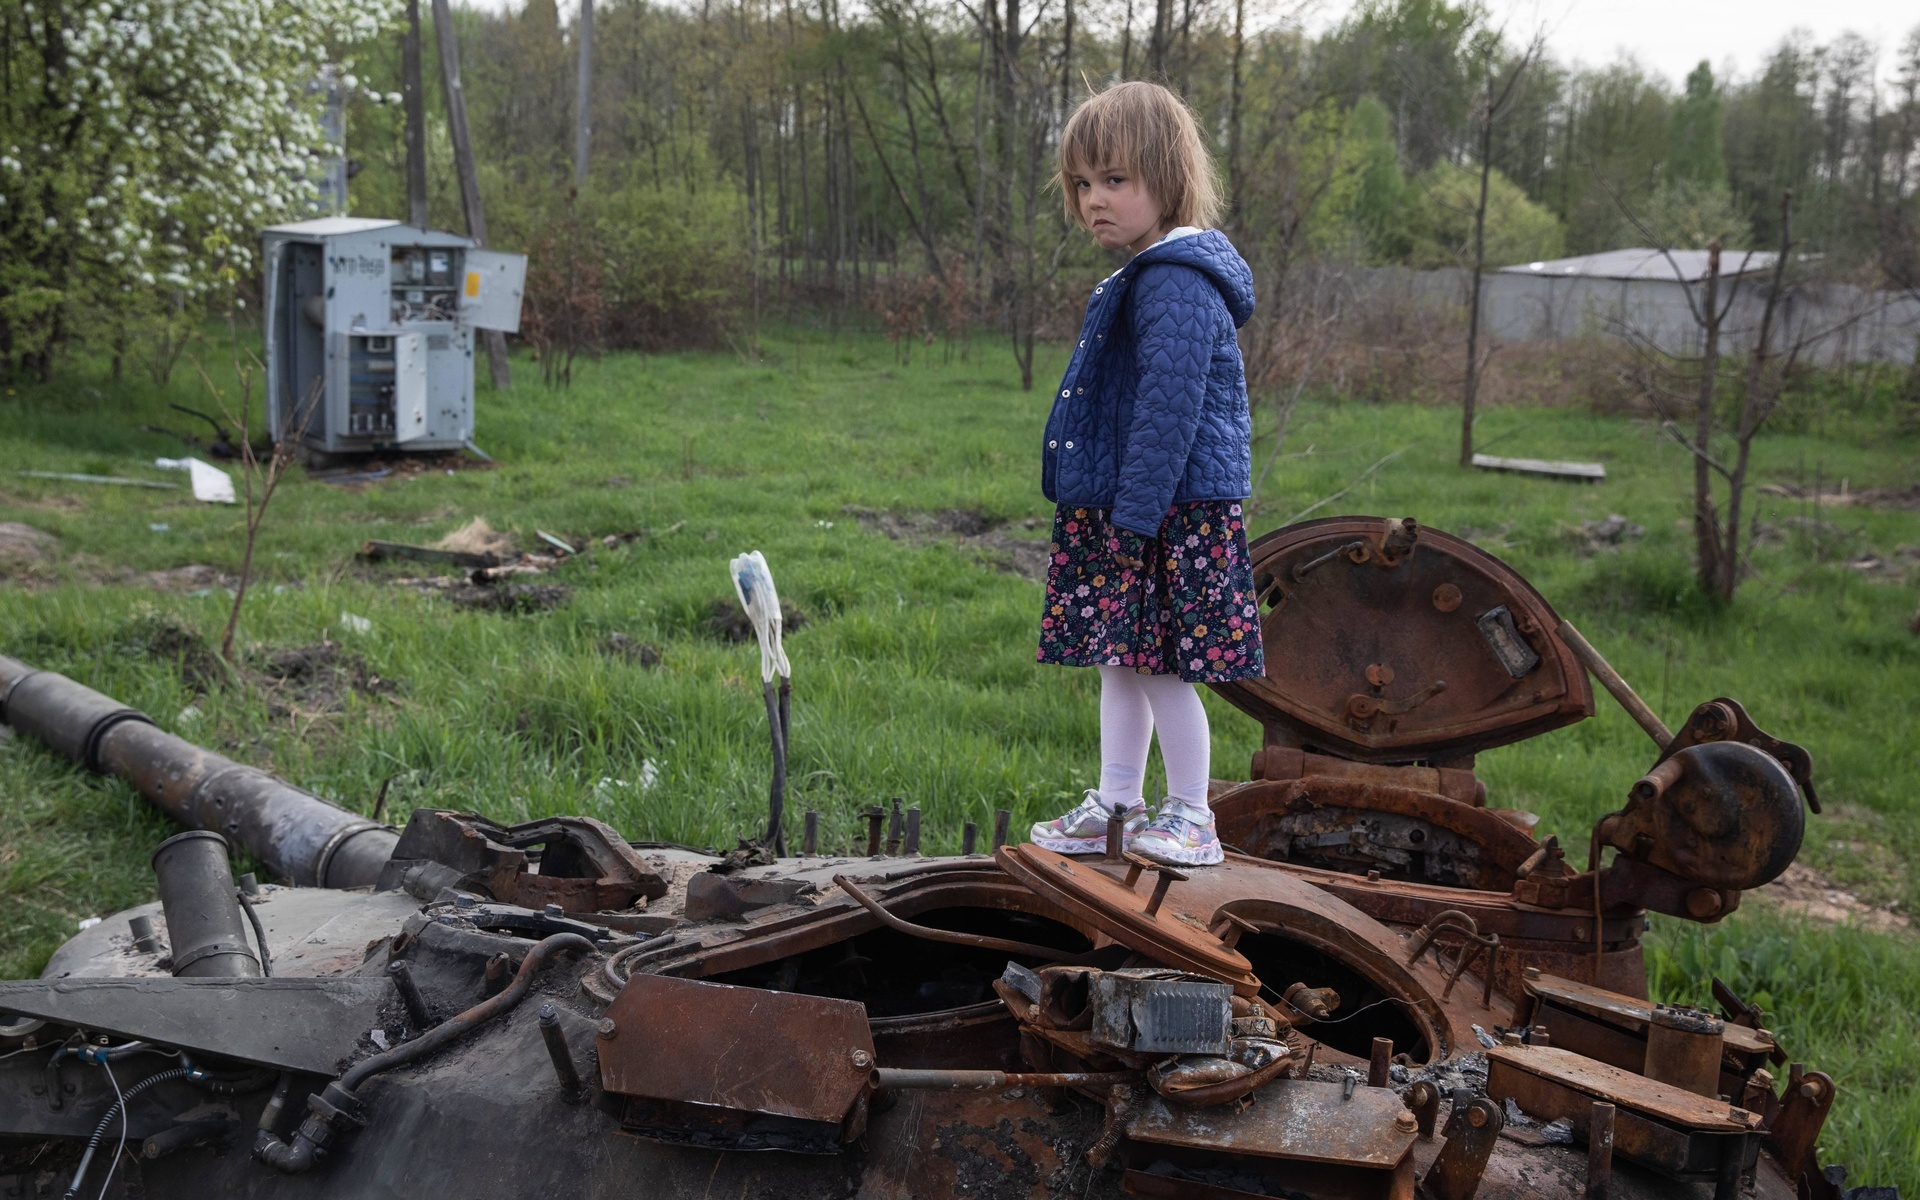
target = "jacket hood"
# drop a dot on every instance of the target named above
(1210, 253)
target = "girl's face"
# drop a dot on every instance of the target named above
(1117, 207)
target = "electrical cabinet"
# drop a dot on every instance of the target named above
(370, 332)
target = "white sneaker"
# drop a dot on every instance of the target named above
(1181, 836)
(1084, 829)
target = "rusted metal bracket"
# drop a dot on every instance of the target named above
(1803, 1113)
(1472, 1130)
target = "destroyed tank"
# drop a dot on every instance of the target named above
(1389, 989)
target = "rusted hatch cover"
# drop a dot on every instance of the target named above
(1390, 642)
(719, 1065)
(1131, 915)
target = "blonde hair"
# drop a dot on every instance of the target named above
(1149, 131)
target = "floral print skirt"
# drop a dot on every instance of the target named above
(1189, 611)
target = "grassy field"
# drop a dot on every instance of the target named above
(913, 672)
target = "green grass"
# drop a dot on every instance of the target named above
(914, 675)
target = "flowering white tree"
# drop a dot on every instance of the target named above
(143, 143)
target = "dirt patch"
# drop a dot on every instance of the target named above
(165, 638)
(478, 537)
(1845, 497)
(194, 577)
(362, 472)
(1610, 534)
(991, 540)
(509, 597)
(306, 680)
(727, 621)
(23, 545)
(1804, 892)
(619, 645)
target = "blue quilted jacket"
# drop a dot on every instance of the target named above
(1153, 408)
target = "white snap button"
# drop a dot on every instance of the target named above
(1083, 391)
(1098, 290)
(1052, 445)
(1069, 445)
(1083, 341)
(1066, 391)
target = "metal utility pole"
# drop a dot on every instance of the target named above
(468, 175)
(413, 92)
(583, 96)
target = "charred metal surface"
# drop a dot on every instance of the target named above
(583, 865)
(291, 1024)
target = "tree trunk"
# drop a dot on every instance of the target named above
(1470, 391)
(1755, 406)
(1705, 520)
(469, 176)
(1234, 98)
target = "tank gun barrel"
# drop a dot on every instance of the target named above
(297, 835)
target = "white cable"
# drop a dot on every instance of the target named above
(113, 1163)
(753, 583)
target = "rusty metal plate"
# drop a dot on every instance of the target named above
(1600, 1081)
(1630, 1014)
(739, 1048)
(1363, 625)
(1300, 1119)
(1120, 912)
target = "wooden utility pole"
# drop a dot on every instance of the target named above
(413, 93)
(583, 95)
(468, 175)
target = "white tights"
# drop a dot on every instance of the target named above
(1131, 706)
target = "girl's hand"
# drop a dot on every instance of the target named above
(1128, 549)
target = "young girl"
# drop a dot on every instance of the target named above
(1147, 456)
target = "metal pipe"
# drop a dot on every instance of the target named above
(894, 1078)
(295, 834)
(1599, 1150)
(401, 972)
(1378, 1064)
(969, 837)
(1001, 819)
(205, 926)
(980, 940)
(571, 1089)
(1616, 686)
(911, 848)
(810, 837)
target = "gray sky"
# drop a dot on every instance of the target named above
(1671, 36)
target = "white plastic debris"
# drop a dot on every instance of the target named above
(354, 624)
(89, 922)
(158, 527)
(189, 715)
(753, 583)
(649, 775)
(210, 483)
(379, 1037)
(1484, 1038)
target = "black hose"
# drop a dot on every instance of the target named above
(337, 1103)
(259, 934)
(119, 1104)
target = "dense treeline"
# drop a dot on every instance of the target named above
(893, 161)
(756, 157)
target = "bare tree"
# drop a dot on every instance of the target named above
(1492, 104)
(259, 480)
